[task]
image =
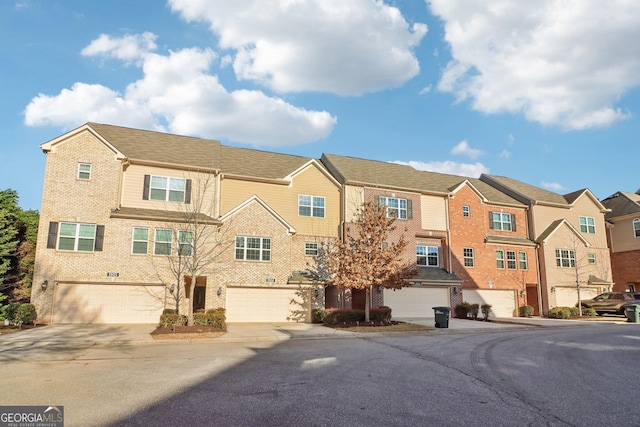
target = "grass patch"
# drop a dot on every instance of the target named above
(399, 327)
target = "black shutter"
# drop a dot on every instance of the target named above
(491, 220)
(513, 222)
(147, 184)
(187, 192)
(53, 235)
(99, 238)
(409, 209)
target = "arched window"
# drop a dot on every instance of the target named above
(636, 227)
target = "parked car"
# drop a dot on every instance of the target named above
(611, 302)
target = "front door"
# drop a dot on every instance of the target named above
(532, 298)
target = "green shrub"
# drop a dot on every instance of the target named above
(334, 316)
(462, 310)
(526, 311)
(559, 313)
(316, 315)
(589, 311)
(171, 319)
(10, 312)
(474, 309)
(214, 317)
(380, 314)
(25, 314)
(574, 311)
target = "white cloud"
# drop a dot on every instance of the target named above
(552, 186)
(129, 48)
(177, 92)
(343, 47)
(505, 154)
(425, 90)
(473, 170)
(563, 63)
(463, 148)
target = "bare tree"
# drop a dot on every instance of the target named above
(194, 241)
(365, 258)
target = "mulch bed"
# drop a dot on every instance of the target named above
(357, 324)
(188, 332)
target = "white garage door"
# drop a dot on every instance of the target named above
(95, 303)
(502, 301)
(264, 305)
(415, 302)
(568, 297)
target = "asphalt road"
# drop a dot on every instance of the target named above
(583, 376)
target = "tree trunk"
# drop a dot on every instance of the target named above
(367, 304)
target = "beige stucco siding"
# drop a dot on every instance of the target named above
(434, 213)
(284, 200)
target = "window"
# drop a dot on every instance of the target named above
(84, 170)
(185, 243)
(501, 221)
(468, 257)
(140, 240)
(162, 244)
(565, 258)
(167, 189)
(500, 258)
(253, 248)
(511, 260)
(396, 208)
(311, 206)
(427, 255)
(77, 237)
(466, 211)
(522, 260)
(636, 227)
(591, 257)
(587, 224)
(311, 249)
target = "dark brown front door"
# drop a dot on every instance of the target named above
(532, 298)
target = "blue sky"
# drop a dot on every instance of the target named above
(546, 92)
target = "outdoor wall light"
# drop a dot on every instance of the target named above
(172, 289)
(455, 290)
(521, 293)
(219, 292)
(553, 289)
(44, 285)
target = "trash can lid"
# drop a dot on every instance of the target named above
(441, 308)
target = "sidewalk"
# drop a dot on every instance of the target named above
(87, 335)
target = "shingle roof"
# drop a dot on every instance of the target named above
(144, 145)
(430, 274)
(622, 203)
(352, 170)
(160, 215)
(525, 192)
(256, 163)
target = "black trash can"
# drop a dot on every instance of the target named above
(442, 316)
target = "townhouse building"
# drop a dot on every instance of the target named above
(571, 236)
(123, 208)
(624, 239)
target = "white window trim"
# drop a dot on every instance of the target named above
(472, 257)
(395, 212)
(466, 211)
(500, 259)
(636, 227)
(261, 250)
(570, 258)
(522, 260)
(181, 243)
(134, 240)
(80, 171)
(311, 248)
(501, 222)
(512, 261)
(587, 225)
(428, 255)
(591, 258)
(76, 237)
(167, 189)
(312, 206)
(156, 241)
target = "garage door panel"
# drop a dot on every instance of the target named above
(568, 297)
(263, 304)
(415, 302)
(503, 302)
(89, 303)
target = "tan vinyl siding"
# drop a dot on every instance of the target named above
(585, 206)
(545, 215)
(133, 186)
(284, 200)
(434, 213)
(354, 198)
(623, 236)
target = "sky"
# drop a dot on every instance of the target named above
(546, 92)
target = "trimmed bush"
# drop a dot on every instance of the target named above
(462, 310)
(589, 312)
(316, 315)
(474, 309)
(526, 311)
(10, 312)
(559, 313)
(169, 318)
(25, 314)
(380, 314)
(215, 317)
(336, 316)
(486, 309)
